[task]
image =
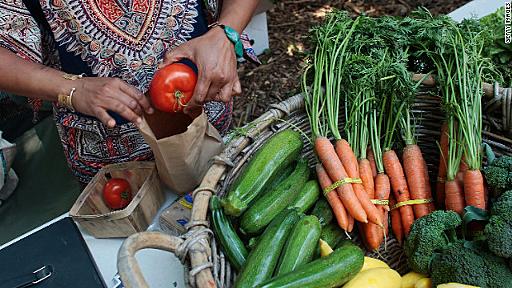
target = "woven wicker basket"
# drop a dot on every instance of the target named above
(206, 264)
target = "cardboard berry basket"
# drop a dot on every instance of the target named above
(91, 212)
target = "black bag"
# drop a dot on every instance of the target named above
(56, 256)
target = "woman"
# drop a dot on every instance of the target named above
(117, 45)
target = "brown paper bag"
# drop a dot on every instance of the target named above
(182, 147)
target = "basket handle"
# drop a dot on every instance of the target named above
(127, 265)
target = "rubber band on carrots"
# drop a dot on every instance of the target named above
(340, 183)
(380, 202)
(412, 202)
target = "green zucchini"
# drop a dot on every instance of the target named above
(232, 245)
(281, 176)
(262, 260)
(323, 211)
(267, 207)
(344, 242)
(301, 245)
(331, 271)
(270, 160)
(332, 234)
(307, 196)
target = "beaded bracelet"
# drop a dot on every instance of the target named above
(233, 36)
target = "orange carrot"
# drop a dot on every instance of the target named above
(366, 175)
(463, 167)
(382, 188)
(396, 221)
(335, 170)
(382, 191)
(399, 185)
(386, 222)
(371, 234)
(371, 210)
(351, 224)
(415, 171)
(441, 174)
(371, 158)
(347, 157)
(350, 163)
(454, 196)
(431, 206)
(486, 192)
(474, 188)
(332, 197)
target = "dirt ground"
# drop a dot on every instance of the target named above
(288, 23)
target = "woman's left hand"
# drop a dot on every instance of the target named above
(214, 56)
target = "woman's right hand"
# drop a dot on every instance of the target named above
(94, 96)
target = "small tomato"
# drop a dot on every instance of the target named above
(117, 193)
(172, 87)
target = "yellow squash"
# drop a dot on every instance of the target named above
(325, 249)
(370, 263)
(375, 278)
(455, 285)
(424, 283)
(410, 279)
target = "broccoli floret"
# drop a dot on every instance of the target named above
(459, 264)
(499, 236)
(503, 162)
(505, 197)
(499, 229)
(498, 273)
(429, 234)
(498, 178)
(503, 209)
(499, 175)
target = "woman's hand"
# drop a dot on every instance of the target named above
(94, 96)
(214, 56)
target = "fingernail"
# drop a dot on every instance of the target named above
(151, 110)
(139, 120)
(111, 123)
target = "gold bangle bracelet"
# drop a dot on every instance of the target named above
(72, 76)
(67, 100)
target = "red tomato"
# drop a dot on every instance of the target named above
(117, 193)
(172, 87)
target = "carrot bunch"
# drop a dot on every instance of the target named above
(460, 71)
(373, 168)
(358, 127)
(415, 168)
(453, 188)
(409, 178)
(360, 67)
(470, 71)
(336, 174)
